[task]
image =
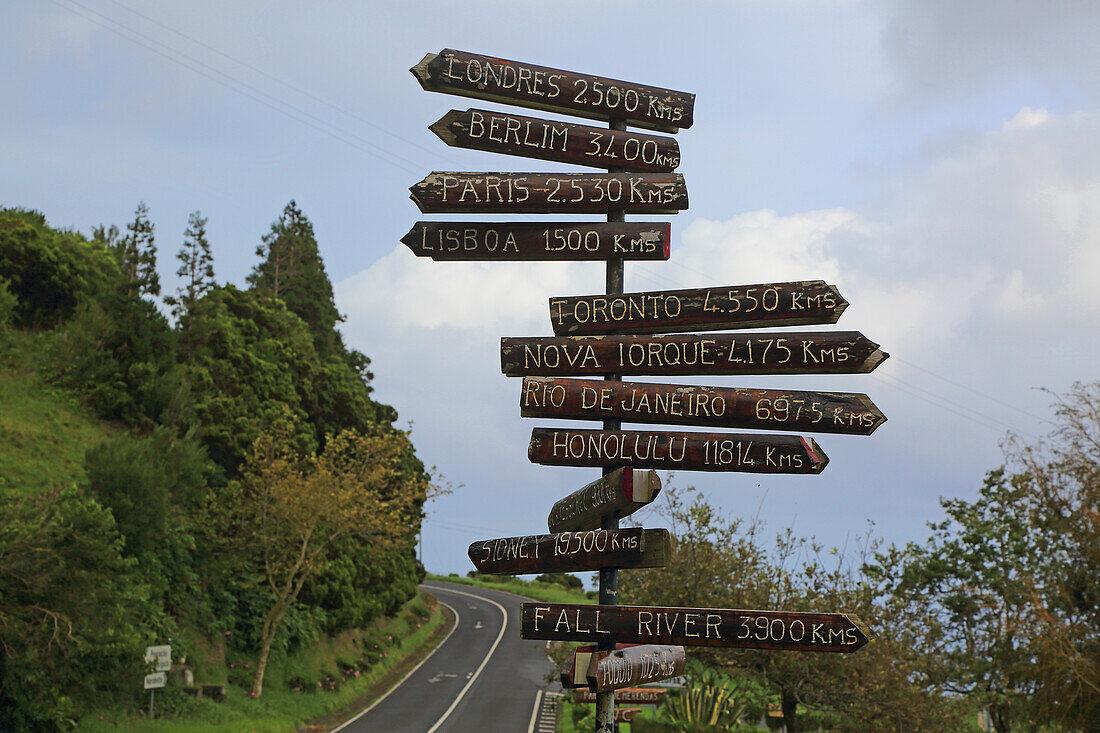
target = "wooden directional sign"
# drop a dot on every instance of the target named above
(666, 450)
(625, 715)
(625, 696)
(550, 193)
(721, 407)
(555, 90)
(621, 492)
(705, 309)
(541, 241)
(568, 552)
(634, 665)
(715, 627)
(564, 142)
(574, 670)
(767, 352)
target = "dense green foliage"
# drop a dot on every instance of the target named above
(73, 612)
(189, 397)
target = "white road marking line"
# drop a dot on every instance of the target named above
(534, 712)
(477, 672)
(375, 704)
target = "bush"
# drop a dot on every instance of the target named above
(49, 272)
(8, 301)
(566, 580)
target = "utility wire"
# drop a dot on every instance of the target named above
(289, 85)
(238, 86)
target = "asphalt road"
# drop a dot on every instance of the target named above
(483, 677)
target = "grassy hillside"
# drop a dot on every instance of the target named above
(43, 431)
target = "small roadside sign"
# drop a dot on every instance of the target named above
(162, 655)
(156, 680)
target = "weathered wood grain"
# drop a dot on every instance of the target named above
(667, 450)
(572, 552)
(555, 90)
(714, 627)
(845, 413)
(621, 492)
(444, 192)
(634, 665)
(763, 352)
(703, 309)
(562, 142)
(539, 241)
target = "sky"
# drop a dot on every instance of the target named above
(937, 161)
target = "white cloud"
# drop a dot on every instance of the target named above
(1026, 119)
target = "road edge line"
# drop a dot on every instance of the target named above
(400, 682)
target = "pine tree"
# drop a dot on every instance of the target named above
(196, 267)
(137, 255)
(292, 271)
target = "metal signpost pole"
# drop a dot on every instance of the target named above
(609, 577)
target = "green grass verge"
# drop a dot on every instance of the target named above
(43, 431)
(549, 592)
(283, 710)
(565, 717)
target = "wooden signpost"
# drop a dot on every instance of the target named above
(567, 552)
(619, 493)
(634, 665)
(550, 193)
(626, 715)
(517, 242)
(643, 333)
(625, 695)
(703, 309)
(720, 407)
(555, 90)
(667, 450)
(762, 352)
(564, 142)
(574, 670)
(713, 627)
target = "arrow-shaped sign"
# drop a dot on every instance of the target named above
(779, 352)
(566, 92)
(667, 450)
(703, 309)
(715, 627)
(508, 241)
(549, 193)
(563, 142)
(568, 552)
(718, 407)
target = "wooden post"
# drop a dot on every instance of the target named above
(609, 577)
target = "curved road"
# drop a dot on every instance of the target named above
(483, 677)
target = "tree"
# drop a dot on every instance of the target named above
(196, 269)
(1011, 580)
(1060, 479)
(137, 255)
(971, 579)
(725, 563)
(72, 610)
(297, 506)
(291, 270)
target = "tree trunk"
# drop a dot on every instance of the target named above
(271, 623)
(790, 709)
(267, 635)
